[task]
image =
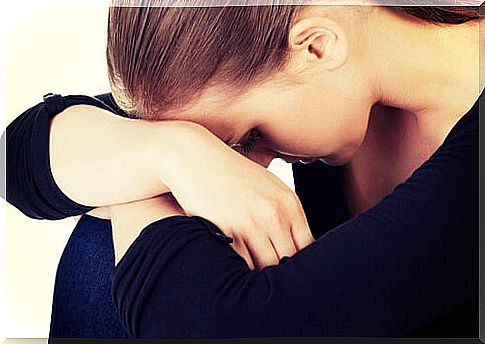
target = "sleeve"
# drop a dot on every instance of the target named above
(385, 272)
(30, 186)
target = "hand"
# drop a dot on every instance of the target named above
(247, 202)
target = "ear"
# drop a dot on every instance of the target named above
(319, 39)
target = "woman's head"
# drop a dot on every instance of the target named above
(289, 77)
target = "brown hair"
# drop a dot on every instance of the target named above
(161, 58)
(440, 15)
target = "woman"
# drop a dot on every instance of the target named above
(321, 63)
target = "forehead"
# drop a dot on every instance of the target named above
(219, 112)
(230, 115)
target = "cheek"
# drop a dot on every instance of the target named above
(314, 124)
(299, 140)
(315, 135)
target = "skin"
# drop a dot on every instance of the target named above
(351, 96)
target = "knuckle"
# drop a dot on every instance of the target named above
(265, 214)
(272, 218)
(289, 199)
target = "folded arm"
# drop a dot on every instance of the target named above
(70, 154)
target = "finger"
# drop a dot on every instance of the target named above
(300, 230)
(283, 243)
(262, 252)
(240, 247)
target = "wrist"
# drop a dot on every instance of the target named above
(177, 144)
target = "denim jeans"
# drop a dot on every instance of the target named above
(82, 304)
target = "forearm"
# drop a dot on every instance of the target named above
(179, 281)
(100, 159)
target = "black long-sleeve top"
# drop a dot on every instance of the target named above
(408, 260)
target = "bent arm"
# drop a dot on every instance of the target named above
(386, 272)
(66, 155)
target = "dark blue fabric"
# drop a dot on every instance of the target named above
(82, 305)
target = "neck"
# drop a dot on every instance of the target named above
(424, 68)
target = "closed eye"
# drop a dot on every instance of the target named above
(248, 143)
